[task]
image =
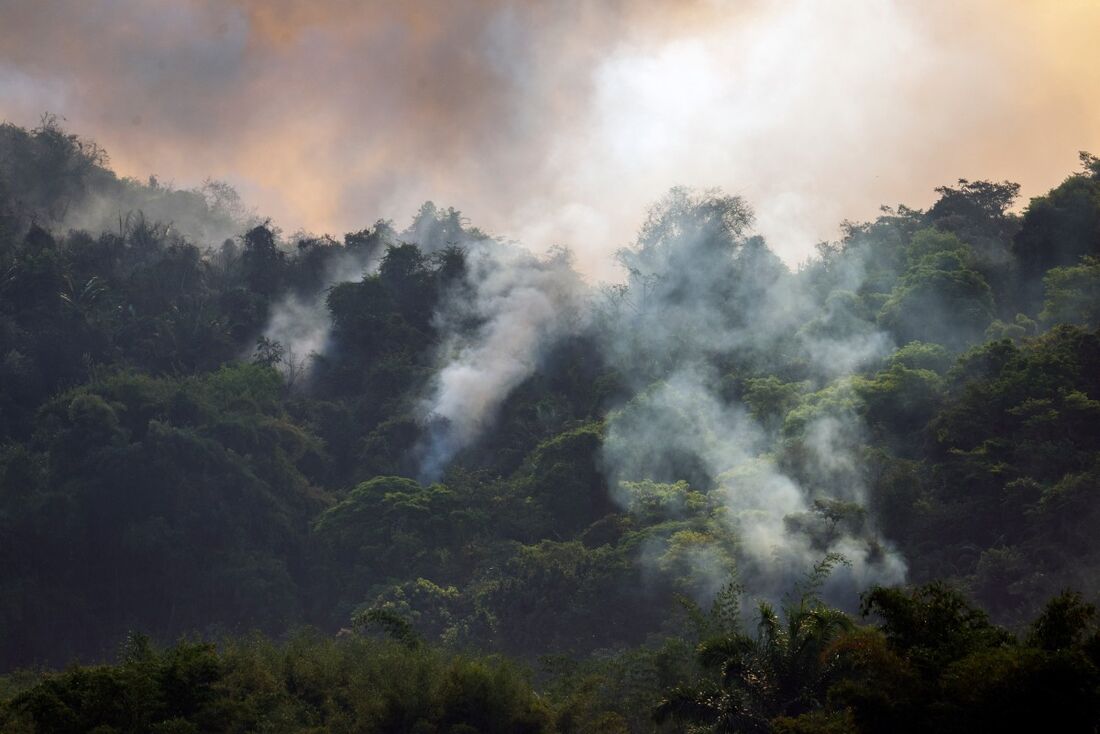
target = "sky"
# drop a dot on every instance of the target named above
(558, 123)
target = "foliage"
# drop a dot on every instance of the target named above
(168, 464)
(310, 683)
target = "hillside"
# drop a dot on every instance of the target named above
(286, 447)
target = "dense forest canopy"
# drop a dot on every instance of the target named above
(463, 489)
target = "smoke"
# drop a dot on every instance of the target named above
(496, 323)
(520, 306)
(207, 215)
(300, 321)
(556, 125)
(558, 122)
(61, 180)
(706, 303)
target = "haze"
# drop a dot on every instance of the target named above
(558, 123)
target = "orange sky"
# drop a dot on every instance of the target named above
(559, 122)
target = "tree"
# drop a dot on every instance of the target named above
(1060, 227)
(1073, 294)
(974, 200)
(784, 670)
(941, 300)
(936, 663)
(262, 261)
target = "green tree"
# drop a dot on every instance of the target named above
(782, 670)
(1073, 294)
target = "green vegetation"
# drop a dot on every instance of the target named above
(310, 683)
(242, 448)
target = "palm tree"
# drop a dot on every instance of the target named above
(781, 671)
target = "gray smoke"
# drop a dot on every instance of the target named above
(207, 215)
(704, 304)
(300, 322)
(705, 307)
(521, 306)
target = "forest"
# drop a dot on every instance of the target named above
(416, 478)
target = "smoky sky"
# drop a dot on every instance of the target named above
(557, 123)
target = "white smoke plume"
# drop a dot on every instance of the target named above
(704, 300)
(520, 306)
(300, 322)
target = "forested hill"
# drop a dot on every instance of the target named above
(210, 428)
